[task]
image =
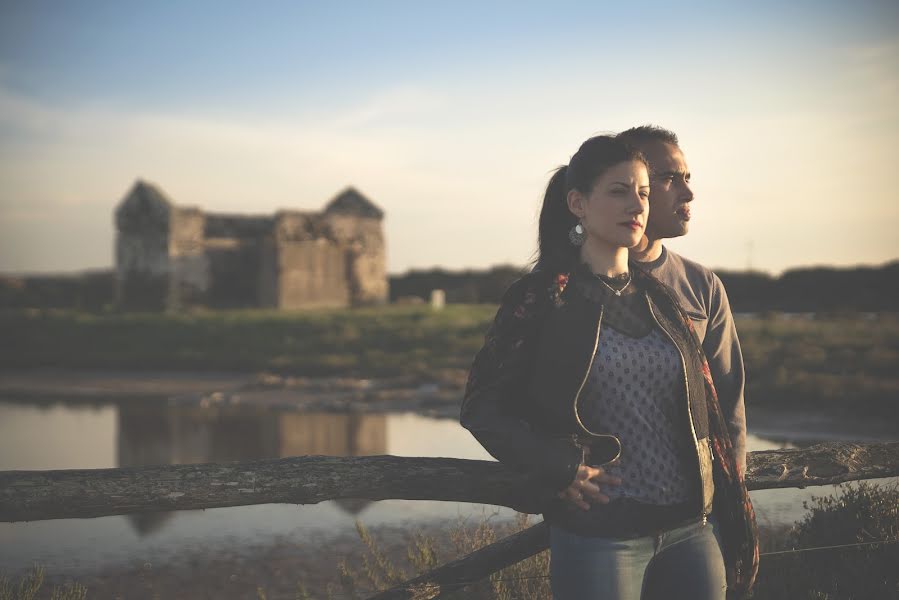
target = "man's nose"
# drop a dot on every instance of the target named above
(687, 192)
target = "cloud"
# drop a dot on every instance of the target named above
(875, 69)
(398, 104)
(52, 151)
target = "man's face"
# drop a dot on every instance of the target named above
(670, 194)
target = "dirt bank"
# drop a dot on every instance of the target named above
(438, 395)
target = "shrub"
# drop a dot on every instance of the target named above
(861, 513)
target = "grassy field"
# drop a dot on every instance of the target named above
(793, 360)
(826, 361)
(389, 340)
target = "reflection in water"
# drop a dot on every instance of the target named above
(166, 435)
(148, 436)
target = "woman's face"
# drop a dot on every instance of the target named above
(615, 212)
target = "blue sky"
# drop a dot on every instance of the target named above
(450, 117)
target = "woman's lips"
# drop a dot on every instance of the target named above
(632, 225)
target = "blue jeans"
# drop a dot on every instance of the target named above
(683, 562)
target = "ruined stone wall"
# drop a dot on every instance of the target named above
(142, 269)
(303, 265)
(142, 248)
(363, 239)
(269, 270)
(370, 265)
(233, 272)
(234, 249)
(244, 227)
(189, 272)
(311, 274)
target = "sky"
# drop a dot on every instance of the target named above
(450, 117)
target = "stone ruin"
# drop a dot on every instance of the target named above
(172, 257)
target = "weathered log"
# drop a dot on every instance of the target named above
(822, 464)
(80, 493)
(38, 495)
(832, 462)
(472, 567)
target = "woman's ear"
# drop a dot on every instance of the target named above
(576, 203)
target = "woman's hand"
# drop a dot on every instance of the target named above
(583, 488)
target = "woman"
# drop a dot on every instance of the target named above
(592, 382)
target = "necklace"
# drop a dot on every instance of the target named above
(616, 292)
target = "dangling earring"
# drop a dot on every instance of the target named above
(576, 234)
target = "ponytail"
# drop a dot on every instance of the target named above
(556, 253)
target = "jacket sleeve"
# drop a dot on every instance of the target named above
(492, 405)
(722, 349)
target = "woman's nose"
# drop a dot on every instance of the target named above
(638, 204)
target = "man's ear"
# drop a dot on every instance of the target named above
(576, 203)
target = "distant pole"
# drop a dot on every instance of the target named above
(438, 299)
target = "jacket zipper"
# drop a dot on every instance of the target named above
(581, 387)
(689, 412)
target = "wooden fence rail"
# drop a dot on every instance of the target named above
(79, 493)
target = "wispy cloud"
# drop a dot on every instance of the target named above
(49, 150)
(388, 107)
(875, 69)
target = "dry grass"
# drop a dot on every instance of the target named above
(30, 585)
(374, 570)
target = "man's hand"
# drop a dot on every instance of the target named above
(583, 488)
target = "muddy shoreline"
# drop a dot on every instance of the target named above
(438, 395)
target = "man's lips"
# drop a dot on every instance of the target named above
(683, 212)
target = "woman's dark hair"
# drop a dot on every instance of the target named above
(593, 158)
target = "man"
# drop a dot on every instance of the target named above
(699, 291)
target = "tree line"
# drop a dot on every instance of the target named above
(817, 289)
